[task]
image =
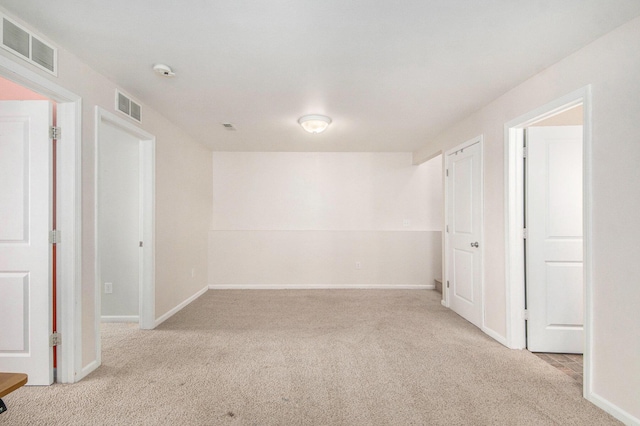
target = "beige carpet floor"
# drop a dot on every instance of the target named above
(310, 357)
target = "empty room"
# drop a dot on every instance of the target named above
(323, 213)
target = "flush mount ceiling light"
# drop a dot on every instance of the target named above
(314, 123)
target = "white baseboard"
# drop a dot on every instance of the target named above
(614, 410)
(320, 287)
(87, 370)
(178, 308)
(486, 330)
(120, 318)
(494, 335)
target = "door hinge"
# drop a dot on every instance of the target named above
(525, 233)
(447, 172)
(525, 315)
(525, 152)
(55, 133)
(447, 228)
(55, 237)
(140, 244)
(447, 283)
(55, 339)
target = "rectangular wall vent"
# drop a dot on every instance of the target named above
(15, 38)
(135, 111)
(43, 54)
(19, 41)
(122, 103)
(128, 107)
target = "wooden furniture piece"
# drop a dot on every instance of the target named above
(8, 383)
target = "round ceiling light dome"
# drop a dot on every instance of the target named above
(314, 123)
(163, 70)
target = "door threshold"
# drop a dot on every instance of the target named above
(570, 364)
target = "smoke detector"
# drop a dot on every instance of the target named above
(163, 70)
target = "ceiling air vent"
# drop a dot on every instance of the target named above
(128, 107)
(228, 126)
(19, 41)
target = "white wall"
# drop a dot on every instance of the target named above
(119, 221)
(305, 219)
(611, 65)
(183, 194)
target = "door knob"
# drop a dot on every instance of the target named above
(474, 244)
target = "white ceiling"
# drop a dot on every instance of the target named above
(391, 74)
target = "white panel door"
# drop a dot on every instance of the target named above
(464, 222)
(25, 221)
(554, 241)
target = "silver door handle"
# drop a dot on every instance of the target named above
(474, 244)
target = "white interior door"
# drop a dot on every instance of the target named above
(554, 241)
(25, 221)
(464, 231)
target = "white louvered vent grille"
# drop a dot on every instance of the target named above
(128, 107)
(135, 111)
(43, 54)
(19, 41)
(122, 103)
(15, 38)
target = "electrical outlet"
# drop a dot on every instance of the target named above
(108, 288)
(193, 272)
(358, 265)
(406, 223)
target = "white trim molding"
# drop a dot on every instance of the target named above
(147, 172)
(69, 213)
(614, 410)
(90, 368)
(514, 213)
(495, 335)
(322, 287)
(120, 318)
(181, 306)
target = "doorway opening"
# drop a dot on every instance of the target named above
(553, 244)
(125, 223)
(548, 240)
(67, 211)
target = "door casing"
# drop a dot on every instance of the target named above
(147, 217)
(68, 211)
(514, 225)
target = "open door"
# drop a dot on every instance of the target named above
(25, 251)
(554, 255)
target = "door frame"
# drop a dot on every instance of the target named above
(68, 211)
(514, 221)
(446, 296)
(147, 146)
